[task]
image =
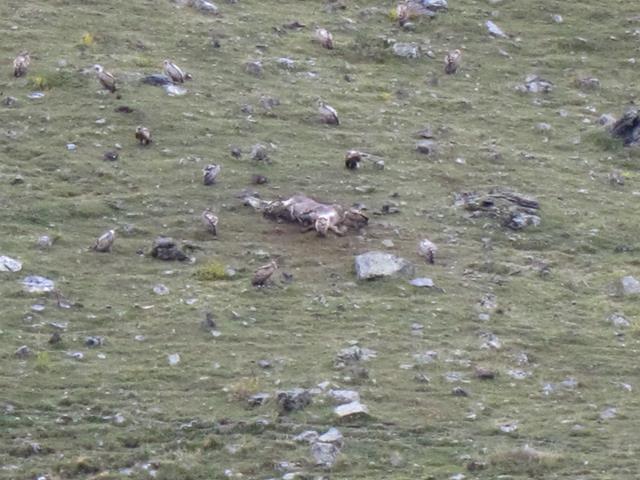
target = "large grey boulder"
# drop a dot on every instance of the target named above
(371, 265)
(629, 286)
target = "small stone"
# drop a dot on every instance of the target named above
(285, 63)
(618, 320)
(629, 285)
(508, 427)
(17, 180)
(324, 454)
(264, 364)
(606, 120)
(543, 127)
(160, 289)
(388, 243)
(374, 264)
(8, 264)
(459, 392)
(23, 352)
(55, 338)
(518, 374)
(344, 396)
(608, 413)
(205, 7)
(173, 359)
(293, 400)
(72, 147)
(350, 409)
(93, 341)
(485, 373)
(259, 153)
(37, 284)
(495, 30)
(426, 147)
(406, 50)
(254, 68)
(308, 436)
(333, 435)
(76, 355)
(9, 101)
(422, 282)
(557, 18)
(258, 399)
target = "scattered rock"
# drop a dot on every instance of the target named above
(509, 427)
(8, 264)
(422, 282)
(259, 153)
(618, 320)
(535, 84)
(37, 284)
(495, 30)
(406, 50)
(111, 156)
(55, 338)
(606, 120)
(94, 341)
(308, 436)
(325, 454)
(427, 147)
(350, 409)
(164, 248)
(608, 413)
(351, 355)
(160, 289)
(629, 285)
(173, 359)
(293, 400)
(9, 101)
(518, 220)
(484, 373)
(205, 7)
(254, 68)
(258, 399)
(374, 264)
(333, 435)
(459, 392)
(23, 352)
(588, 83)
(344, 396)
(628, 127)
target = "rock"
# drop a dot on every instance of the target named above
(374, 264)
(325, 454)
(76, 355)
(343, 396)
(23, 352)
(588, 83)
(459, 392)
(308, 436)
(495, 30)
(426, 146)
(485, 373)
(259, 153)
(9, 101)
(333, 435)
(535, 84)
(37, 284)
(406, 50)
(608, 413)
(94, 341)
(174, 90)
(258, 399)
(285, 63)
(55, 338)
(508, 427)
(164, 248)
(160, 289)
(618, 320)
(543, 127)
(8, 264)
(157, 80)
(606, 120)
(350, 409)
(205, 7)
(557, 18)
(629, 285)
(422, 282)
(173, 359)
(254, 68)
(435, 5)
(17, 180)
(354, 354)
(518, 220)
(293, 400)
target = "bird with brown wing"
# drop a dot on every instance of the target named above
(210, 222)
(263, 273)
(21, 64)
(104, 243)
(452, 62)
(324, 38)
(143, 135)
(107, 80)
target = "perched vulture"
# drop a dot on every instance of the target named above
(143, 135)
(328, 114)
(21, 64)
(263, 273)
(210, 221)
(427, 249)
(452, 62)
(107, 80)
(104, 243)
(174, 72)
(324, 38)
(210, 173)
(352, 159)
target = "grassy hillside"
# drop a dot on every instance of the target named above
(124, 412)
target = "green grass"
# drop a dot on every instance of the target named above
(192, 421)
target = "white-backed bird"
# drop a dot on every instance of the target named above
(174, 72)
(428, 250)
(263, 273)
(324, 38)
(210, 221)
(107, 80)
(328, 114)
(104, 243)
(210, 173)
(143, 134)
(21, 64)
(452, 62)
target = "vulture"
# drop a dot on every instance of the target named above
(107, 80)
(452, 62)
(263, 273)
(210, 173)
(143, 135)
(328, 114)
(21, 64)
(104, 243)
(210, 221)
(324, 38)
(352, 159)
(174, 72)
(427, 249)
